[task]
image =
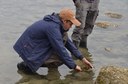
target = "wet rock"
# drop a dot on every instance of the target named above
(86, 73)
(88, 56)
(32, 79)
(105, 24)
(84, 67)
(53, 74)
(112, 75)
(55, 82)
(114, 15)
(108, 49)
(82, 82)
(38, 81)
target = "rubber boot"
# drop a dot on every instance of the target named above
(83, 42)
(24, 68)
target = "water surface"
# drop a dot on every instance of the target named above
(16, 15)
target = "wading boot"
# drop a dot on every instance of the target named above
(83, 43)
(24, 68)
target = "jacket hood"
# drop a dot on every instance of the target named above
(53, 17)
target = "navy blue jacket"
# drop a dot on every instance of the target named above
(41, 38)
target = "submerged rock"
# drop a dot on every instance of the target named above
(86, 74)
(114, 15)
(105, 24)
(53, 74)
(87, 55)
(112, 75)
(32, 79)
(108, 49)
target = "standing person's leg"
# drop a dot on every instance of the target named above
(89, 23)
(81, 12)
(90, 20)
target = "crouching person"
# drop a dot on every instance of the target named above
(42, 44)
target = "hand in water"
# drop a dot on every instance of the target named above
(78, 68)
(85, 61)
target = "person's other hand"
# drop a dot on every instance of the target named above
(85, 61)
(78, 68)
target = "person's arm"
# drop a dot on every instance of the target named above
(55, 38)
(71, 47)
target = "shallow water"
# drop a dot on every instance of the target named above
(16, 15)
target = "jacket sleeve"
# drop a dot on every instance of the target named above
(55, 38)
(72, 48)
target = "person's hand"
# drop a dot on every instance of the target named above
(85, 61)
(78, 68)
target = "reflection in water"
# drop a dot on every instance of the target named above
(53, 76)
(30, 79)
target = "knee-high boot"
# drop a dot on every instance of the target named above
(83, 42)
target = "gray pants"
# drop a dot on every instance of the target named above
(53, 61)
(86, 13)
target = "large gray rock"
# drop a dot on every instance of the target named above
(112, 75)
